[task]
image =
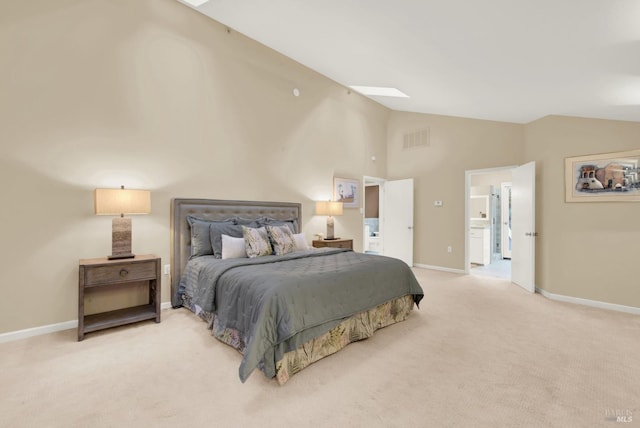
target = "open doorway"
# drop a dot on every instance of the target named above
(506, 234)
(488, 222)
(373, 215)
(394, 222)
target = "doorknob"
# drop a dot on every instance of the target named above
(531, 234)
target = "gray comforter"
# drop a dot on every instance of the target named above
(271, 299)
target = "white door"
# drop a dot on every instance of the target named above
(397, 231)
(523, 222)
(505, 216)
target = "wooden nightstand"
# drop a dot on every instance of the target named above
(334, 243)
(102, 274)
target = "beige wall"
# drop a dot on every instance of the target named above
(494, 178)
(151, 94)
(456, 145)
(586, 250)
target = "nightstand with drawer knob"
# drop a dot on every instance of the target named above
(102, 274)
(333, 243)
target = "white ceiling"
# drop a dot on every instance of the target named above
(504, 60)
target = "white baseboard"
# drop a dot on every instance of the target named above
(552, 296)
(37, 331)
(67, 325)
(587, 302)
(51, 328)
(440, 268)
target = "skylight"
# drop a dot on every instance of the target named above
(379, 91)
(195, 3)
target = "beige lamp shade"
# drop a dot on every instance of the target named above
(329, 208)
(118, 202)
(122, 201)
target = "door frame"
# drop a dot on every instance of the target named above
(467, 199)
(380, 182)
(504, 236)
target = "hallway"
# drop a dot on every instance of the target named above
(497, 269)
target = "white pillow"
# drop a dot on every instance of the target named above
(301, 242)
(233, 248)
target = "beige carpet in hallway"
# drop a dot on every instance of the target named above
(480, 352)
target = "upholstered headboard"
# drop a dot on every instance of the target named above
(212, 209)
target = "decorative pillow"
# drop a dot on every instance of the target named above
(200, 235)
(301, 242)
(292, 224)
(217, 230)
(233, 248)
(282, 239)
(256, 241)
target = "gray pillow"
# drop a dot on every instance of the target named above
(217, 230)
(290, 223)
(201, 236)
(249, 222)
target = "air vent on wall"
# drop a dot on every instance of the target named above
(416, 139)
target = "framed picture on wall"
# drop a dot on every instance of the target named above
(607, 177)
(347, 191)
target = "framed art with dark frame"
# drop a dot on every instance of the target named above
(347, 191)
(607, 177)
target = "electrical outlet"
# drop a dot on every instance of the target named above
(437, 203)
(167, 269)
(449, 249)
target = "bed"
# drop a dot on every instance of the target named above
(281, 312)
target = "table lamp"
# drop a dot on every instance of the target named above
(330, 209)
(119, 202)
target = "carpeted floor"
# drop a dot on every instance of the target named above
(480, 352)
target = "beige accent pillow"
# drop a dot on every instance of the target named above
(282, 239)
(256, 242)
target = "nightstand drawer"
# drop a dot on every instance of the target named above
(120, 272)
(342, 244)
(333, 243)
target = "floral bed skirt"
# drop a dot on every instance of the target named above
(358, 327)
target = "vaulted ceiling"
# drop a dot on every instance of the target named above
(504, 60)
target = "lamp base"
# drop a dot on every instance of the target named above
(329, 236)
(121, 238)
(120, 256)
